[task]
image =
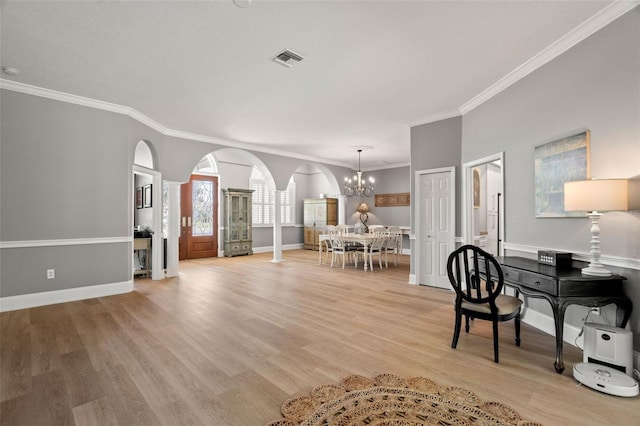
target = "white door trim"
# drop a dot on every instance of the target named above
(467, 197)
(417, 214)
(157, 271)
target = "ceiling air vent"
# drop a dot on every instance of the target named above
(287, 58)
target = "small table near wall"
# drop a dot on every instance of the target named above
(564, 287)
(142, 244)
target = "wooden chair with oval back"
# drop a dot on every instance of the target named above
(376, 247)
(377, 228)
(479, 295)
(328, 230)
(394, 243)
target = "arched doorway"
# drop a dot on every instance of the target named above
(147, 212)
(199, 212)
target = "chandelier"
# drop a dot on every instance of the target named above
(357, 186)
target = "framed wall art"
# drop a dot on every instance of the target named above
(400, 199)
(139, 198)
(147, 195)
(557, 162)
(476, 188)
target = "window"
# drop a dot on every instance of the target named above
(287, 204)
(262, 198)
(263, 201)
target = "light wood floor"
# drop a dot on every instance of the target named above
(230, 339)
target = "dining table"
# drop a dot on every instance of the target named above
(365, 239)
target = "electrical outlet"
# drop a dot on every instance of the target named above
(51, 274)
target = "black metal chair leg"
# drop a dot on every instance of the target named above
(495, 341)
(456, 330)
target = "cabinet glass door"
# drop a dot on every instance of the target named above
(235, 218)
(245, 218)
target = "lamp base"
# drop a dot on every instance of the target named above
(599, 271)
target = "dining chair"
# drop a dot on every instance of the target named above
(477, 278)
(338, 248)
(376, 247)
(377, 228)
(397, 236)
(344, 229)
(328, 230)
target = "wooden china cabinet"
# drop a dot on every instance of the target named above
(318, 213)
(237, 221)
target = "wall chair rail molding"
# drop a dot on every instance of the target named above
(622, 262)
(65, 242)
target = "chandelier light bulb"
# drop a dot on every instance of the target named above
(358, 186)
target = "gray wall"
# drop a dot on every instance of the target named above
(436, 145)
(596, 86)
(66, 173)
(387, 181)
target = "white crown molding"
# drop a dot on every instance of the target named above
(622, 262)
(444, 115)
(29, 89)
(65, 242)
(383, 167)
(250, 147)
(573, 37)
(32, 300)
(147, 121)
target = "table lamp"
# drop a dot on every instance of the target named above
(595, 197)
(363, 209)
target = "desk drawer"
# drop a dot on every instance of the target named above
(511, 274)
(539, 283)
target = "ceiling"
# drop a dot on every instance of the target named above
(371, 69)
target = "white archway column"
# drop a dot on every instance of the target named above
(277, 227)
(342, 209)
(173, 228)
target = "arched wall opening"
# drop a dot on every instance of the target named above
(148, 243)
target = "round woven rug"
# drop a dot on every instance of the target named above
(388, 399)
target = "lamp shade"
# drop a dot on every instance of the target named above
(596, 195)
(363, 208)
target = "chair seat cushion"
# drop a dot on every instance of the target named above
(505, 304)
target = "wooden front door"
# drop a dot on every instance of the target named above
(199, 217)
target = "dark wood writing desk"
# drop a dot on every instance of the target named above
(564, 287)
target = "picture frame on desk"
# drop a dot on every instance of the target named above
(139, 198)
(147, 197)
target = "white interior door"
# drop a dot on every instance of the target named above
(436, 227)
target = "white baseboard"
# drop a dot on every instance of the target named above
(267, 249)
(570, 335)
(24, 301)
(545, 323)
(412, 279)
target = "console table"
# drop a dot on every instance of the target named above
(564, 287)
